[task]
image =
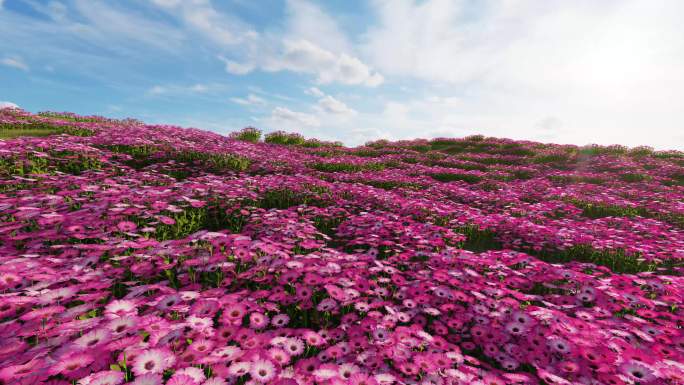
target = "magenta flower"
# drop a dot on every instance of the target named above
(126, 226)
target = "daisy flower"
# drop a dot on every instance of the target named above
(153, 361)
(72, 366)
(258, 320)
(181, 379)
(215, 381)
(196, 374)
(239, 368)
(262, 371)
(93, 338)
(120, 308)
(280, 320)
(109, 377)
(279, 356)
(126, 226)
(228, 353)
(234, 313)
(148, 379)
(123, 325)
(637, 371)
(294, 346)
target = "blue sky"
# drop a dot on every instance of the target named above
(554, 71)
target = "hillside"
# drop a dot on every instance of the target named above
(150, 254)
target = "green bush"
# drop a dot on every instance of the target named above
(14, 130)
(284, 138)
(449, 177)
(347, 167)
(634, 177)
(247, 134)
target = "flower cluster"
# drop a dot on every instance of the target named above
(149, 255)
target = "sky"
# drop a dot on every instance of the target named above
(580, 72)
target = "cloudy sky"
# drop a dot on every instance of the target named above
(582, 71)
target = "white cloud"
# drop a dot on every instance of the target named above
(201, 16)
(177, 89)
(4, 105)
(199, 88)
(609, 71)
(314, 91)
(14, 62)
(306, 21)
(157, 90)
(250, 100)
(328, 104)
(106, 24)
(236, 68)
(306, 57)
(285, 118)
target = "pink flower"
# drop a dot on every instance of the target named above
(72, 366)
(148, 379)
(120, 308)
(126, 226)
(153, 361)
(108, 377)
(196, 374)
(258, 320)
(262, 371)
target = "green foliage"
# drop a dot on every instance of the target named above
(676, 179)
(598, 210)
(284, 138)
(568, 179)
(347, 167)
(32, 163)
(71, 117)
(14, 130)
(478, 240)
(211, 217)
(213, 162)
(315, 143)
(247, 134)
(284, 198)
(551, 158)
(145, 155)
(391, 184)
(451, 177)
(594, 150)
(634, 177)
(617, 260)
(459, 165)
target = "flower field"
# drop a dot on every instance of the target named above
(147, 254)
